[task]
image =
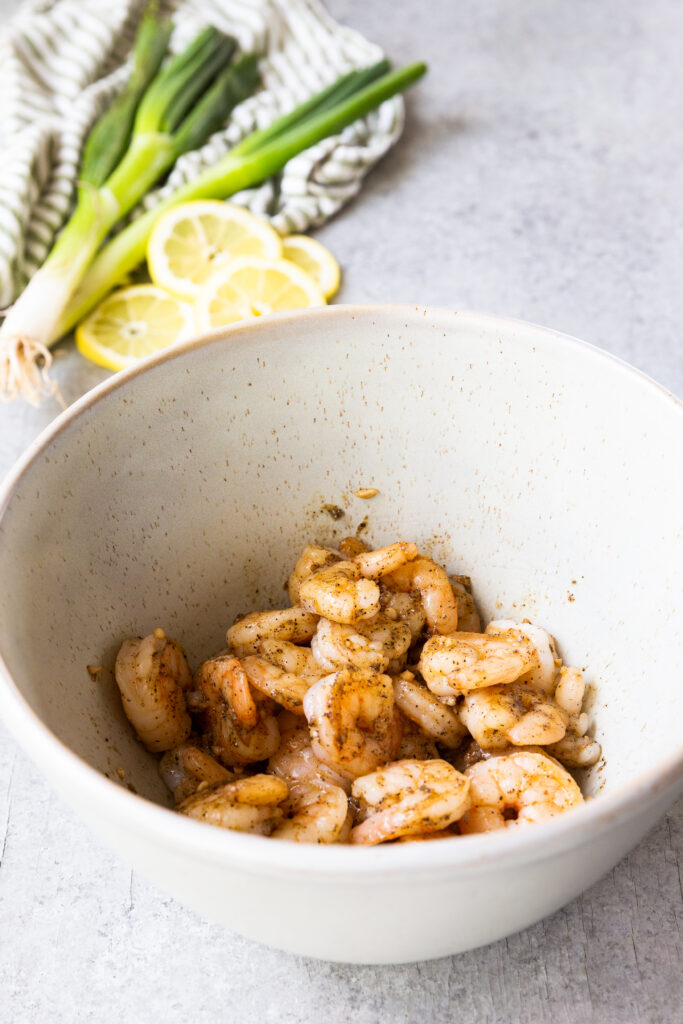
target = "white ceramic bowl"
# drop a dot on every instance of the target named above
(179, 493)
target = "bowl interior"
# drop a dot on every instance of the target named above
(181, 495)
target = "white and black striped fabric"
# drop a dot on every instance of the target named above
(62, 61)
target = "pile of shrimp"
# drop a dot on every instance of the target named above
(374, 709)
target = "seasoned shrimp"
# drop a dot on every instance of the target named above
(381, 561)
(415, 744)
(339, 592)
(312, 558)
(287, 688)
(288, 722)
(228, 738)
(468, 616)
(432, 583)
(422, 837)
(398, 607)
(251, 804)
(421, 706)
(186, 767)
(315, 812)
(576, 751)
(570, 690)
(408, 797)
(223, 679)
(284, 624)
(374, 700)
(352, 720)
(517, 714)
(377, 644)
(290, 658)
(349, 547)
(542, 674)
(575, 748)
(518, 789)
(451, 665)
(295, 761)
(153, 675)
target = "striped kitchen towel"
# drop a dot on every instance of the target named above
(62, 61)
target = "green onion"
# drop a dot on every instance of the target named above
(188, 99)
(182, 81)
(339, 90)
(232, 86)
(246, 165)
(109, 139)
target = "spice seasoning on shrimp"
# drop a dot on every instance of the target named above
(381, 710)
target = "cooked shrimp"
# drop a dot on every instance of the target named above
(415, 745)
(436, 593)
(234, 745)
(295, 761)
(223, 679)
(542, 674)
(422, 837)
(312, 558)
(153, 675)
(351, 717)
(398, 607)
(349, 547)
(290, 657)
(284, 624)
(186, 767)
(381, 561)
(247, 805)
(421, 706)
(518, 789)
(377, 644)
(576, 751)
(287, 688)
(570, 690)
(315, 812)
(288, 722)
(229, 739)
(468, 616)
(456, 664)
(329, 694)
(409, 797)
(578, 724)
(339, 592)
(575, 748)
(517, 714)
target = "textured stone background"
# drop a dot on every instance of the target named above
(540, 176)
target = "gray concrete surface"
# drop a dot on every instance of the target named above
(540, 176)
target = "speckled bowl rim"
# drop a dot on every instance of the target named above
(473, 854)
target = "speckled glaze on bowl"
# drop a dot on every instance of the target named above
(179, 493)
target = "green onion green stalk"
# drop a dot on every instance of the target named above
(109, 138)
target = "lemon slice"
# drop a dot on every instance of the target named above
(190, 241)
(251, 287)
(315, 259)
(132, 323)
